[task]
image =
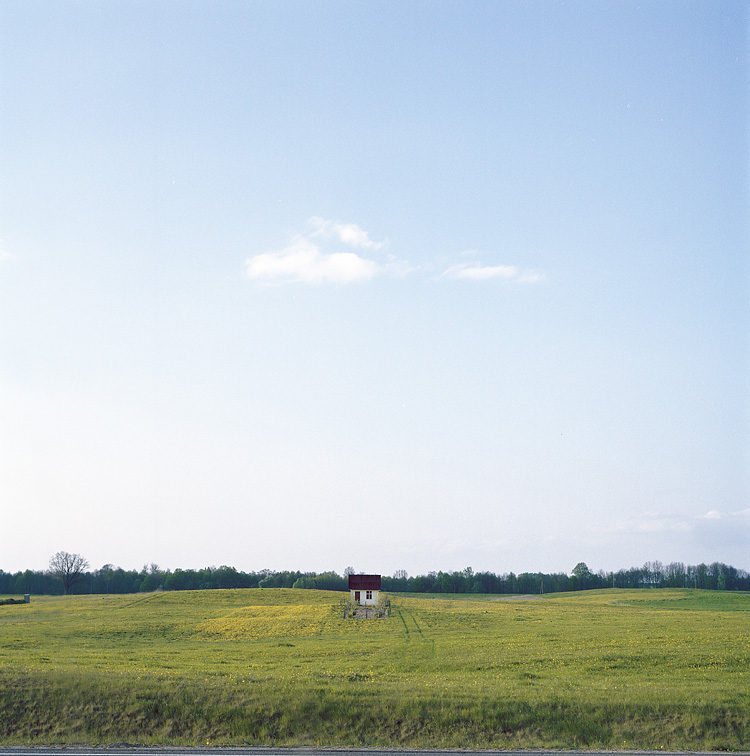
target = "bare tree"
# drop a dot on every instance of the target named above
(67, 568)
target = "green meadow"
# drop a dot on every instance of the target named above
(618, 669)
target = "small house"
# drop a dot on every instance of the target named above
(364, 589)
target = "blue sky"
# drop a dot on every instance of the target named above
(395, 285)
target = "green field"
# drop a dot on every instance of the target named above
(612, 669)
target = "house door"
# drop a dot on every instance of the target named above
(356, 596)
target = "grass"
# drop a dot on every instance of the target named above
(602, 669)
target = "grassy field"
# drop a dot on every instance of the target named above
(613, 669)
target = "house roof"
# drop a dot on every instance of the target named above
(364, 582)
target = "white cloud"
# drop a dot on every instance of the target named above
(347, 233)
(476, 272)
(532, 277)
(481, 272)
(738, 516)
(4, 254)
(323, 254)
(333, 252)
(656, 522)
(721, 534)
(302, 260)
(653, 522)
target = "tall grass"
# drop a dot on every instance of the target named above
(611, 669)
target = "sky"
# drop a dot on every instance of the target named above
(390, 285)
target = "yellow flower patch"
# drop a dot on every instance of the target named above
(266, 622)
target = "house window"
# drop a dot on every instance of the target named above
(368, 595)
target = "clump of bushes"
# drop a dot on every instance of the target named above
(383, 608)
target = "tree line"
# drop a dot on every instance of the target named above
(69, 573)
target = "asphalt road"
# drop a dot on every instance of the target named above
(121, 749)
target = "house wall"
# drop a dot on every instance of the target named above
(363, 600)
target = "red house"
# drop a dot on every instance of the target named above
(364, 589)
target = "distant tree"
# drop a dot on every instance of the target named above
(110, 579)
(67, 568)
(510, 584)
(700, 576)
(422, 584)
(399, 582)
(284, 579)
(330, 581)
(581, 570)
(348, 571)
(304, 582)
(104, 575)
(676, 575)
(582, 576)
(151, 578)
(526, 583)
(182, 580)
